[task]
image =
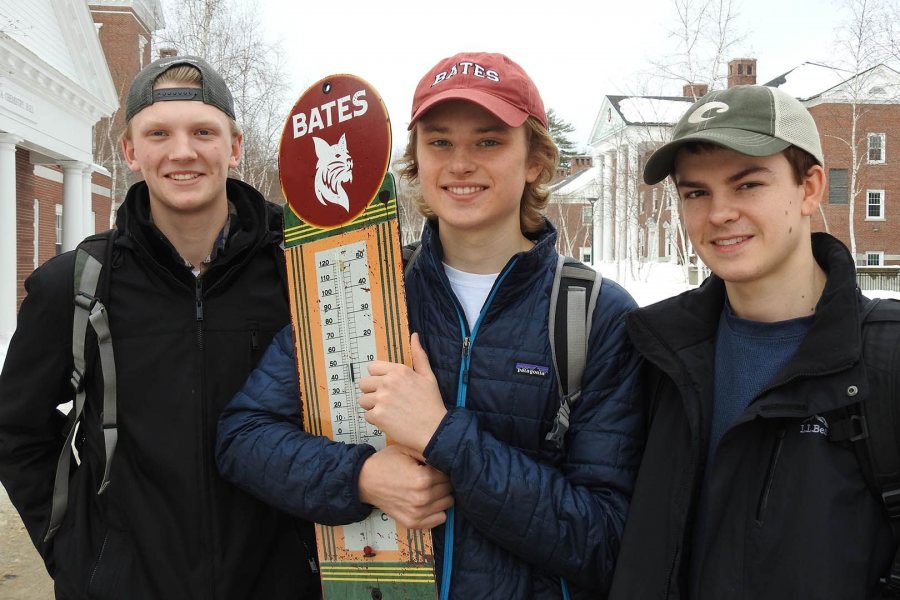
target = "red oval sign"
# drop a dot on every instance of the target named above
(334, 150)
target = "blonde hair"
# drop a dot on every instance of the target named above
(541, 149)
(185, 75)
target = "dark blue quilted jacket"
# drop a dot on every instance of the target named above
(529, 521)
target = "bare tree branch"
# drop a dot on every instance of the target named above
(229, 35)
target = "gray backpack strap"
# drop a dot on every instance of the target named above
(410, 253)
(581, 286)
(88, 309)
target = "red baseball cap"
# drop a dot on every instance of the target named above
(492, 81)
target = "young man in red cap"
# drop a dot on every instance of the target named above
(530, 519)
(750, 486)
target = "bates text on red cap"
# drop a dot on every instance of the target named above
(467, 68)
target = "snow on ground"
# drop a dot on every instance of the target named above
(650, 283)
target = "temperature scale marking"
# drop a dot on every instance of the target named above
(345, 305)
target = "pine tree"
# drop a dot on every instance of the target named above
(560, 130)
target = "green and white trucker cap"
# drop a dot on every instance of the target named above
(755, 120)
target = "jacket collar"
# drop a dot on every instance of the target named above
(529, 266)
(666, 329)
(255, 222)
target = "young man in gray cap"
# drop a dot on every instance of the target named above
(192, 283)
(742, 493)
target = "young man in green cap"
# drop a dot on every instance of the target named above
(192, 283)
(742, 493)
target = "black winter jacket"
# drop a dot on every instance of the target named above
(168, 526)
(789, 512)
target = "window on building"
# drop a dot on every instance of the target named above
(585, 254)
(740, 68)
(59, 228)
(876, 147)
(874, 259)
(749, 69)
(586, 214)
(837, 186)
(874, 205)
(654, 197)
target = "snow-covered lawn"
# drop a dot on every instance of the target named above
(656, 282)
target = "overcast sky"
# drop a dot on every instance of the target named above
(576, 52)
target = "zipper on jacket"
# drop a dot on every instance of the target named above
(770, 475)
(464, 362)
(205, 466)
(311, 559)
(468, 340)
(99, 559)
(198, 310)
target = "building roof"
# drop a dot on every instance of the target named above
(576, 183)
(650, 110)
(809, 79)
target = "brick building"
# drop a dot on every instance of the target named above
(57, 84)
(637, 223)
(859, 123)
(125, 28)
(574, 195)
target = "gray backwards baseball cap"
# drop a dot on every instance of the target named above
(755, 120)
(213, 90)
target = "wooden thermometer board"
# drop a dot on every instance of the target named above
(348, 306)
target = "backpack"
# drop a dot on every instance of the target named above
(90, 283)
(872, 427)
(90, 256)
(569, 324)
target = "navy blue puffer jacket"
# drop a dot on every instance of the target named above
(529, 521)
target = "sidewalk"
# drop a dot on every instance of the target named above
(22, 573)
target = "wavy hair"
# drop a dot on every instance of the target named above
(536, 194)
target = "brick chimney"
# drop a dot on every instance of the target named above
(741, 71)
(694, 91)
(580, 163)
(167, 52)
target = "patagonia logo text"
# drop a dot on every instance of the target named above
(536, 370)
(814, 424)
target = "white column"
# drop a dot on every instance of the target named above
(8, 278)
(608, 211)
(88, 208)
(652, 240)
(73, 207)
(596, 232)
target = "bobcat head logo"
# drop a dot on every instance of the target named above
(333, 170)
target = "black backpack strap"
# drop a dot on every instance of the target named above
(573, 297)
(873, 425)
(90, 281)
(881, 352)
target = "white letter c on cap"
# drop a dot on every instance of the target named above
(700, 115)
